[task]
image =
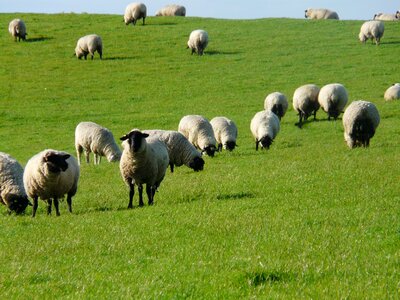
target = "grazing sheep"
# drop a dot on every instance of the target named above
(134, 12)
(17, 29)
(92, 137)
(89, 44)
(305, 102)
(333, 98)
(397, 15)
(49, 175)
(144, 161)
(371, 30)
(264, 126)
(385, 17)
(225, 132)
(360, 120)
(180, 150)
(199, 132)
(320, 13)
(198, 41)
(277, 103)
(172, 10)
(393, 92)
(12, 191)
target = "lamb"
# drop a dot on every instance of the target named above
(225, 132)
(144, 161)
(277, 103)
(172, 10)
(92, 137)
(332, 99)
(134, 12)
(89, 44)
(264, 126)
(371, 30)
(17, 29)
(12, 191)
(320, 13)
(360, 120)
(385, 17)
(51, 174)
(393, 92)
(198, 41)
(199, 132)
(305, 102)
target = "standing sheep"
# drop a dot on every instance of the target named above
(277, 103)
(17, 29)
(92, 137)
(265, 127)
(198, 41)
(360, 120)
(134, 12)
(225, 132)
(144, 161)
(172, 10)
(89, 44)
(397, 15)
(49, 175)
(305, 102)
(393, 92)
(385, 17)
(333, 98)
(199, 132)
(371, 30)
(320, 13)
(12, 191)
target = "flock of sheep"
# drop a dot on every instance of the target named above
(147, 154)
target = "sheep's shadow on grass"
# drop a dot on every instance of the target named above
(260, 278)
(162, 24)
(38, 39)
(215, 52)
(235, 196)
(118, 58)
(390, 42)
(310, 121)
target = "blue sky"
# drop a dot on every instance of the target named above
(234, 9)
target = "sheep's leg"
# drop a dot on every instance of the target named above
(79, 150)
(56, 206)
(49, 202)
(131, 193)
(34, 206)
(300, 123)
(87, 156)
(96, 158)
(150, 190)
(219, 147)
(257, 142)
(69, 202)
(171, 166)
(140, 189)
(315, 115)
(143, 20)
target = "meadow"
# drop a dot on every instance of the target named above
(307, 219)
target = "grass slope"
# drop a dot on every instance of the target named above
(307, 219)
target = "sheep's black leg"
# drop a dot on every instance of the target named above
(131, 193)
(300, 123)
(49, 202)
(257, 141)
(143, 21)
(140, 188)
(219, 147)
(171, 166)
(56, 207)
(34, 206)
(150, 193)
(69, 202)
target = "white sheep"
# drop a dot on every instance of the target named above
(134, 12)
(89, 44)
(321, 13)
(225, 132)
(371, 30)
(199, 132)
(91, 137)
(385, 17)
(198, 41)
(180, 150)
(360, 120)
(49, 175)
(305, 102)
(265, 127)
(17, 29)
(332, 99)
(393, 92)
(172, 10)
(144, 161)
(12, 191)
(277, 103)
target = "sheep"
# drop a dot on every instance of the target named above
(134, 12)
(277, 103)
(89, 44)
(305, 102)
(180, 150)
(144, 161)
(393, 92)
(198, 41)
(225, 132)
(385, 17)
(199, 132)
(332, 99)
(371, 30)
(172, 10)
(51, 174)
(12, 191)
(264, 126)
(397, 15)
(17, 29)
(320, 13)
(92, 137)
(360, 120)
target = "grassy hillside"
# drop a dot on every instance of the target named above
(307, 219)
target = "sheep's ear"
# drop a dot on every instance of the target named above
(145, 135)
(66, 156)
(123, 138)
(47, 156)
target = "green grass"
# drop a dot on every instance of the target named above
(307, 219)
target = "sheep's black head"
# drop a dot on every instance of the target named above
(135, 139)
(230, 145)
(56, 162)
(17, 203)
(210, 150)
(197, 164)
(266, 142)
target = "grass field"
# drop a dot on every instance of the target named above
(308, 219)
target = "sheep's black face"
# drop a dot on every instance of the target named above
(230, 145)
(56, 162)
(18, 204)
(266, 142)
(197, 164)
(210, 150)
(135, 139)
